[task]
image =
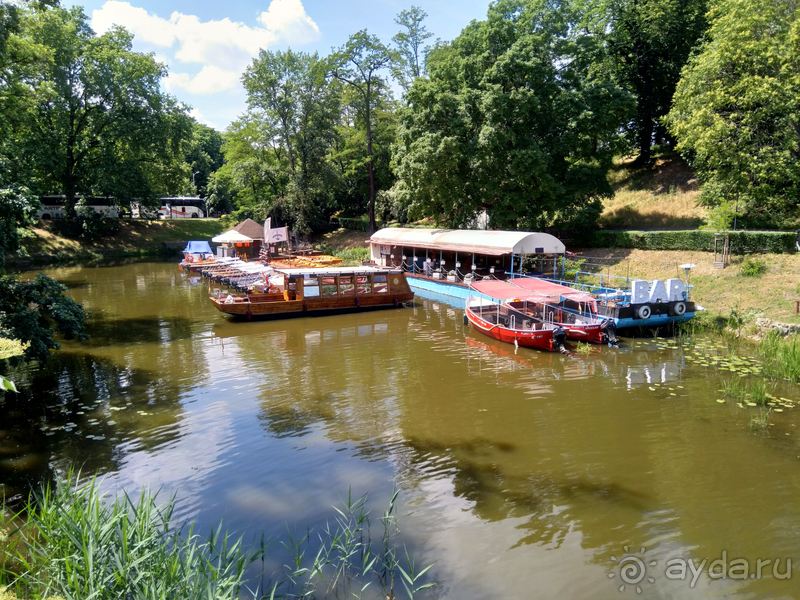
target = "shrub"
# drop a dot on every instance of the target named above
(752, 267)
(741, 242)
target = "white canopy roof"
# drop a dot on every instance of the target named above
(334, 271)
(231, 237)
(470, 240)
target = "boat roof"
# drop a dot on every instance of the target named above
(549, 288)
(505, 290)
(334, 271)
(198, 247)
(499, 290)
(474, 241)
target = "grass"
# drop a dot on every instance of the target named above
(772, 295)
(661, 196)
(135, 238)
(780, 356)
(70, 542)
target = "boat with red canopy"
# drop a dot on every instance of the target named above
(489, 314)
(572, 309)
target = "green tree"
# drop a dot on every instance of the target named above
(509, 121)
(204, 156)
(359, 64)
(98, 122)
(31, 311)
(736, 113)
(296, 110)
(646, 44)
(410, 57)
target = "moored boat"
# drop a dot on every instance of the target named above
(197, 256)
(573, 310)
(314, 292)
(495, 319)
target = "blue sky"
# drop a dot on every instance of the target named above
(207, 44)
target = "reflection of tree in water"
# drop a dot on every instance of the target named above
(74, 396)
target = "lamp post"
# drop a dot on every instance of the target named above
(193, 174)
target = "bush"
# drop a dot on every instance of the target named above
(741, 242)
(753, 267)
(359, 224)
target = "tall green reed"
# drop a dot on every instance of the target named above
(780, 356)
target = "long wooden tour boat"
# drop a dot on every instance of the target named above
(315, 292)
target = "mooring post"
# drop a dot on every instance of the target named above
(796, 306)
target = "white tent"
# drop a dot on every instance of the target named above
(231, 237)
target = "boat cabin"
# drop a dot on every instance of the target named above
(456, 254)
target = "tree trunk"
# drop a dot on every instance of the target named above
(645, 139)
(370, 170)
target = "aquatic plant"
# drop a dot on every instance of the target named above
(583, 348)
(780, 356)
(76, 545)
(348, 561)
(70, 541)
(762, 420)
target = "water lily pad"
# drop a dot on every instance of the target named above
(721, 401)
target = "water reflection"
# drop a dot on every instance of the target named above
(519, 470)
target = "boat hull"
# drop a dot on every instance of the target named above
(274, 306)
(541, 340)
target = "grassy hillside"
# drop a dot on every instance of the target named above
(721, 291)
(134, 237)
(661, 196)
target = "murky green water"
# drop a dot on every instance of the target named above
(522, 474)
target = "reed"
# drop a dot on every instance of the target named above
(76, 546)
(70, 542)
(733, 388)
(780, 356)
(761, 421)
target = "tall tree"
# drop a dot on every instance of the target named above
(289, 94)
(359, 64)
(410, 61)
(204, 156)
(509, 121)
(99, 123)
(647, 43)
(736, 109)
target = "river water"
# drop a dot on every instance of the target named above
(522, 474)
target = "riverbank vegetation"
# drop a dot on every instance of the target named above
(531, 134)
(69, 541)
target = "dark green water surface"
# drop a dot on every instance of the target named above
(523, 474)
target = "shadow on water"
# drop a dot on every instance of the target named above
(143, 330)
(78, 411)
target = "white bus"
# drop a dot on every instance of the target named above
(182, 207)
(53, 206)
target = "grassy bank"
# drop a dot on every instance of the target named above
(70, 542)
(663, 195)
(771, 294)
(135, 238)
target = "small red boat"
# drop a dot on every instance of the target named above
(573, 310)
(509, 325)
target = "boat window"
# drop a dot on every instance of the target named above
(346, 286)
(363, 284)
(329, 286)
(380, 284)
(310, 287)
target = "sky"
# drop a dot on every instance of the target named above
(207, 44)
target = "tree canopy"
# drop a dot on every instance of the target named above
(736, 112)
(510, 122)
(96, 121)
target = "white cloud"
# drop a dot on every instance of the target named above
(210, 80)
(224, 47)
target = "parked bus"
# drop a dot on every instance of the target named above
(182, 207)
(53, 206)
